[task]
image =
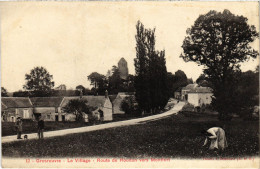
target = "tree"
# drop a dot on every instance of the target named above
(128, 105)
(3, 92)
(115, 82)
(80, 88)
(247, 93)
(220, 42)
(179, 80)
(98, 81)
(151, 75)
(203, 81)
(78, 107)
(39, 82)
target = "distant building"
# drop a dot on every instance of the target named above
(185, 90)
(200, 96)
(123, 69)
(196, 95)
(13, 107)
(61, 87)
(102, 105)
(48, 107)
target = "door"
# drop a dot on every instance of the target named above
(56, 118)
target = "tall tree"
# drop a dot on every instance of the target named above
(115, 82)
(39, 82)
(151, 74)
(220, 41)
(98, 81)
(3, 92)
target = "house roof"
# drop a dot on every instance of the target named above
(201, 90)
(93, 101)
(190, 86)
(46, 101)
(16, 102)
(112, 97)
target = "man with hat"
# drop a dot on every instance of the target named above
(40, 127)
(19, 127)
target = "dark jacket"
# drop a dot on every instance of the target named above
(40, 124)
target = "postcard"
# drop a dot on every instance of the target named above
(129, 84)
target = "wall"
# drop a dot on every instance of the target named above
(12, 113)
(205, 98)
(70, 117)
(47, 112)
(198, 99)
(193, 98)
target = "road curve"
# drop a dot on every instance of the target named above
(177, 107)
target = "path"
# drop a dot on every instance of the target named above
(174, 110)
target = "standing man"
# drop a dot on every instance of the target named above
(19, 127)
(40, 127)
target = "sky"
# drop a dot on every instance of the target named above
(73, 39)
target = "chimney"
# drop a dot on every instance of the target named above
(106, 94)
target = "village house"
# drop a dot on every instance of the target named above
(185, 90)
(101, 104)
(48, 107)
(13, 107)
(200, 96)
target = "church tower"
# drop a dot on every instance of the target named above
(123, 69)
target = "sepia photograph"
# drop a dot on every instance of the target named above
(127, 84)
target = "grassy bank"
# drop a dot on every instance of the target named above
(176, 136)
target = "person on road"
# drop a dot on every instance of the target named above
(40, 127)
(217, 137)
(19, 127)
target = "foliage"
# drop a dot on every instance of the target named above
(85, 91)
(78, 107)
(3, 92)
(98, 81)
(247, 93)
(39, 82)
(203, 81)
(115, 82)
(219, 42)
(151, 85)
(128, 105)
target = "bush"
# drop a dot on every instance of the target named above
(188, 107)
(129, 105)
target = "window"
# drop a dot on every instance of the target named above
(26, 114)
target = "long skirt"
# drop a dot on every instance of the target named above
(220, 142)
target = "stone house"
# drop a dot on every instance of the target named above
(101, 104)
(48, 107)
(185, 90)
(200, 96)
(13, 107)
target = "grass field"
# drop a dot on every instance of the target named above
(173, 137)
